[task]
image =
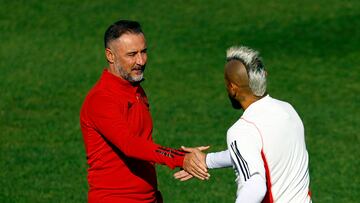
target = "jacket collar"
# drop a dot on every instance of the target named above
(117, 83)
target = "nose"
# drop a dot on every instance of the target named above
(141, 59)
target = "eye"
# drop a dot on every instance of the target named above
(144, 51)
(131, 54)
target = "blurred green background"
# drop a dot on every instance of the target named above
(52, 53)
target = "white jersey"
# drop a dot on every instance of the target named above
(268, 140)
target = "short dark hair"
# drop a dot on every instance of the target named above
(119, 28)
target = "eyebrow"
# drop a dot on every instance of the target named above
(134, 51)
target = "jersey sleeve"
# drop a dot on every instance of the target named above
(253, 191)
(109, 120)
(218, 159)
(244, 143)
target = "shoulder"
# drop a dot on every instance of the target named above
(280, 103)
(100, 96)
(242, 129)
(241, 125)
(286, 108)
(101, 102)
(245, 135)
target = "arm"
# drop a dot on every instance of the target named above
(218, 159)
(254, 190)
(213, 160)
(109, 120)
(245, 146)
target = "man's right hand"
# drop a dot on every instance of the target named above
(195, 162)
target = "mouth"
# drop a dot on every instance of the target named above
(138, 70)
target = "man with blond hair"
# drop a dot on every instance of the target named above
(266, 145)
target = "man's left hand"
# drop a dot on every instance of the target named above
(182, 175)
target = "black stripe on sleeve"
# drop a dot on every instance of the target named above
(238, 161)
(173, 151)
(245, 164)
(162, 152)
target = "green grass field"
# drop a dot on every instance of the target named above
(51, 54)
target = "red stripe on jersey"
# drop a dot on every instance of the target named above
(268, 197)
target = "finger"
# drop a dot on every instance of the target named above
(203, 148)
(187, 149)
(190, 165)
(198, 170)
(198, 162)
(181, 174)
(194, 173)
(186, 178)
(199, 176)
(177, 176)
(201, 162)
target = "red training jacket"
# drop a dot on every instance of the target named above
(117, 129)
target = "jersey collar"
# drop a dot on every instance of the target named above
(255, 104)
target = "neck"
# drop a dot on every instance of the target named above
(248, 100)
(113, 71)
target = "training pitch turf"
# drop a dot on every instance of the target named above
(51, 54)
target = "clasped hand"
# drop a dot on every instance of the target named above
(194, 164)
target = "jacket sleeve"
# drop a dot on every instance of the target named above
(109, 120)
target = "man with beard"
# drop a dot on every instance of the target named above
(117, 126)
(266, 146)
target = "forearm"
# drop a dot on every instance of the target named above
(149, 151)
(218, 159)
(253, 191)
(107, 118)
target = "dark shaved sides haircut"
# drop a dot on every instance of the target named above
(119, 28)
(254, 67)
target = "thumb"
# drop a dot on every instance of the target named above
(187, 149)
(203, 148)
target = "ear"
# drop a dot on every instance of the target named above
(233, 86)
(109, 55)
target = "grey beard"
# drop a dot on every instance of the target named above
(128, 77)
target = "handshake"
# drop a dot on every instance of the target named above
(194, 164)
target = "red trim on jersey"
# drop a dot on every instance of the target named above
(268, 197)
